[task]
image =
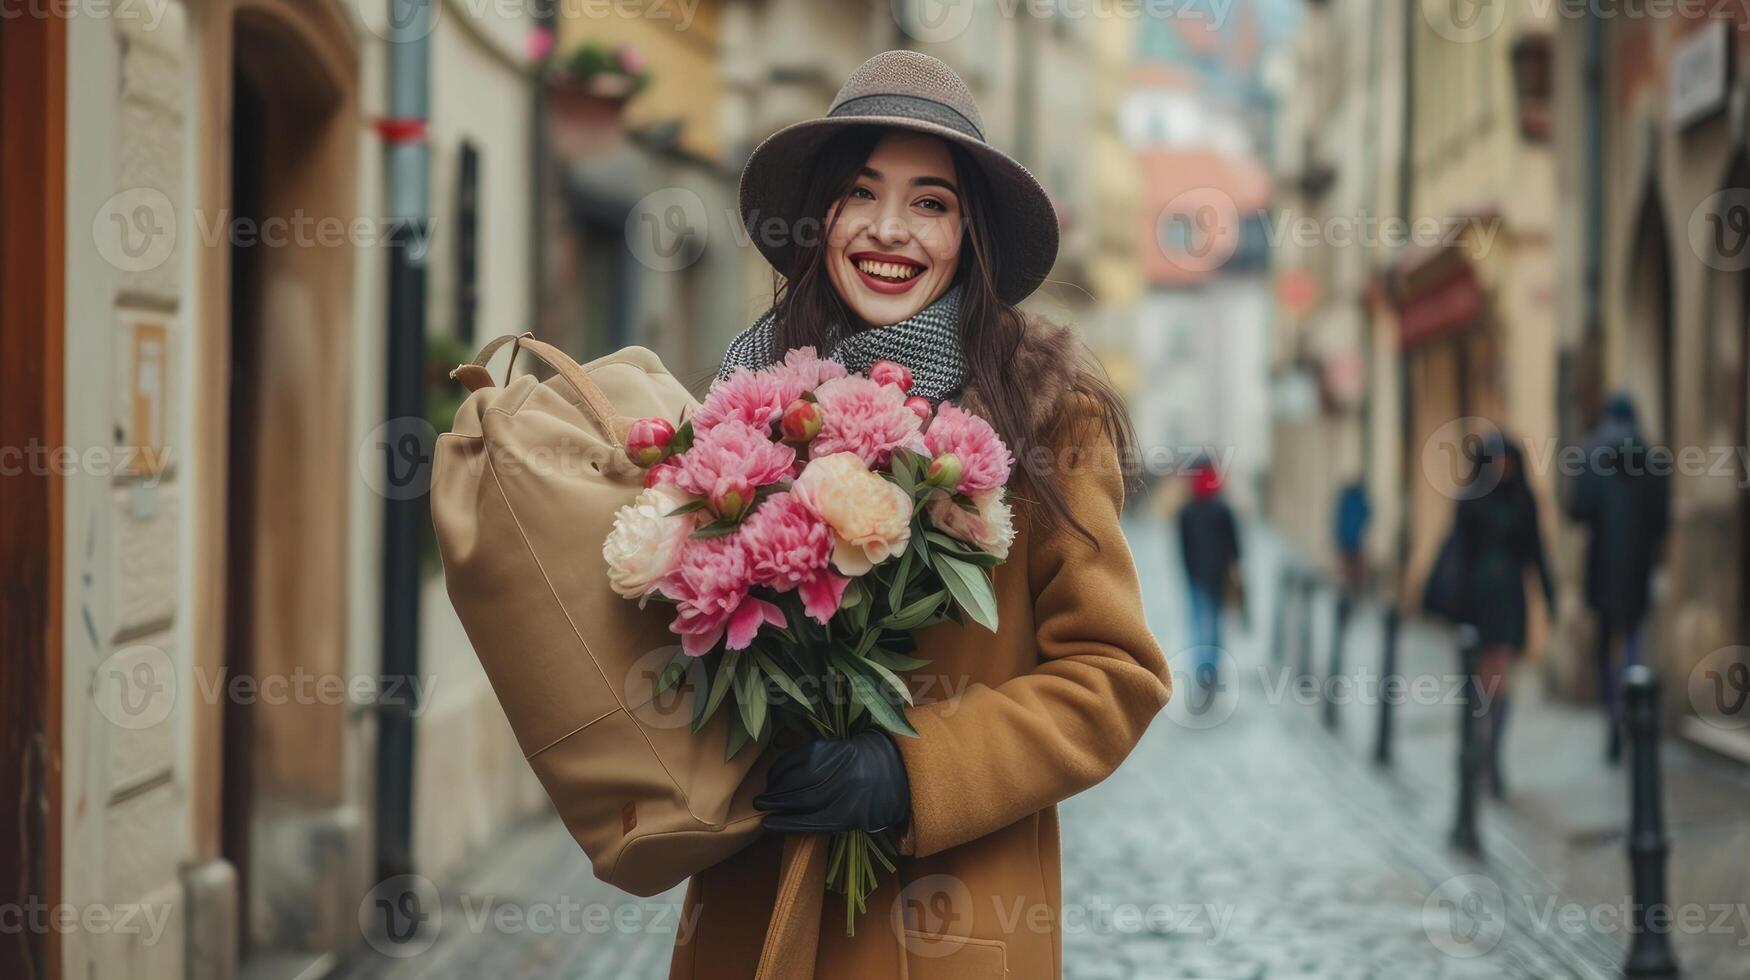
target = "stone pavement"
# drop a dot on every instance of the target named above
(1566, 812)
(1243, 842)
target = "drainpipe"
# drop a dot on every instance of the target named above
(1592, 290)
(1406, 200)
(404, 511)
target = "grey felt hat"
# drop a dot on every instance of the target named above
(913, 91)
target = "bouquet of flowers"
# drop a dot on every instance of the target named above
(804, 522)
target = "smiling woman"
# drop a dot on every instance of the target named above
(894, 244)
(931, 238)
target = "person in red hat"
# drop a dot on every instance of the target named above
(1209, 543)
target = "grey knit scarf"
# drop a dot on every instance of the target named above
(928, 343)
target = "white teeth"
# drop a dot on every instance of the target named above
(896, 271)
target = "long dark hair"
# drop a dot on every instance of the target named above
(807, 310)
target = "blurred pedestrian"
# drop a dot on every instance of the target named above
(1209, 544)
(1623, 501)
(1499, 539)
(1353, 513)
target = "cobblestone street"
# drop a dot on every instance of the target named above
(1243, 842)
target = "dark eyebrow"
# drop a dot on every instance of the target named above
(942, 182)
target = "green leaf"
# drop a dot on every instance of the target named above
(865, 692)
(912, 615)
(737, 738)
(971, 588)
(716, 529)
(901, 578)
(750, 695)
(896, 661)
(785, 682)
(870, 666)
(686, 508)
(682, 440)
(719, 687)
(672, 673)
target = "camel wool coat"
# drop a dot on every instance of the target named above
(1008, 725)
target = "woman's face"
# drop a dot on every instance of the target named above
(896, 243)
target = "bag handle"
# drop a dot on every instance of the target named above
(475, 376)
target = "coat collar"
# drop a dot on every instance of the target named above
(1047, 364)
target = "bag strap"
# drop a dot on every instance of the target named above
(475, 376)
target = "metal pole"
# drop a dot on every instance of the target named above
(1650, 953)
(1308, 584)
(1388, 669)
(1335, 668)
(404, 510)
(1279, 629)
(1464, 830)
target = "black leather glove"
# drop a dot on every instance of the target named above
(855, 783)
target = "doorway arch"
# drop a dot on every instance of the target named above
(279, 161)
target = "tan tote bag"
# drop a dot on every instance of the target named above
(524, 491)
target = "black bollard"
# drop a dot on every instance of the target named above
(1308, 584)
(1388, 669)
(1334, 667)
(1279, 626)
(1470, 757)
(1650, 953)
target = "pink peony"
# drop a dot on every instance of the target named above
(804, 370)
(732, 449)
(870, 516)
(920, 405)
(790, 547)
(754, 397)
(990, 528)
(985, 462)
(862, 417)
(710, 586)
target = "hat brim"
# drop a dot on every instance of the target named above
(772, 187)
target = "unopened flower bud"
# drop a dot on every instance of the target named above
(944, 471)
(920, 405)
(801, 421)
(891, 373)
(647, 440)
(731, 496)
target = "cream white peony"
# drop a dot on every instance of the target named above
(870, 516)
(991, 529)
(645, 542)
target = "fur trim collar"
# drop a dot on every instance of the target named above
(1047, 365)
